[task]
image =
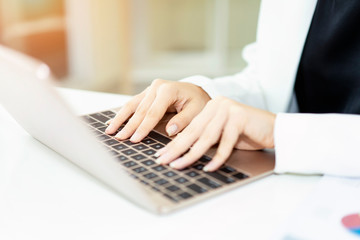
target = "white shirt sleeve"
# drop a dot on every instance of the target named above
(304, 143)
(317, 144)
(243, 87)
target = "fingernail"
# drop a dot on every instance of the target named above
(159, 152)
(135, 137)
(161, 159)
(108, 122)
(173, 165)
(108, 129)
(120, 135)
(176, 164)
(209, 167)
(158, 161)
(172, 129)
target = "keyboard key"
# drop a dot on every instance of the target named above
(220, 177)
(227, 169)
(133, 176)
(157, 146)
(129, 143)
(185, 195)
(159, 168)
(198, 166)
(156, 189)
(122, 158)
(150, 175)
(88, 119)
(144, 182)
(161, 181)
(209, 182)
(205, 159)
(107, 113)
(140, 147)
(149, 152)
(97, 125)
(130, 164)
(192, 174)
(119, 147)
(148, 141)
(148, 162)
(197, 188)
(172, 188)
(159, 137)
(181, 180)
(111, 142)
(99, 117)
(240, 176)
(103, 137)
(139, 169)
(138, 157)
(102, 129)
(170, 197)
(128, 152)
(170, 174)
(97, 133)
(115, 153)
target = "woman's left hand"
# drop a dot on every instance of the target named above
(223, 121)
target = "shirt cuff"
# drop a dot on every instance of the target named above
(203, 82)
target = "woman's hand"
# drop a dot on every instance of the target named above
(223, 121)
(146, 109)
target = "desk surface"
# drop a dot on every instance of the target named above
(44, 196)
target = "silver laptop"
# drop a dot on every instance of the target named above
(28, 95)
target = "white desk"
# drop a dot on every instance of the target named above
(43, 196)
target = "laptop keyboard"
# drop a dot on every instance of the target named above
(139, 161)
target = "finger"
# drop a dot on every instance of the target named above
(164, 98)
(208, 138)
(140, 111)
(181, 143)
(186, 138)
(183, 118)
(232, 131)
(124, 113)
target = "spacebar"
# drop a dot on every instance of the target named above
(220, 177)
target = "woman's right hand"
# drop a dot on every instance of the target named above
(146, 109)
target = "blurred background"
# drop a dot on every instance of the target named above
(120, 46)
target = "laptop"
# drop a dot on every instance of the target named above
(27, 92)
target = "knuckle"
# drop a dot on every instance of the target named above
(127, 106)
(152, 114)
(166, 88)
(192, 156)
(209, 137)
(141, 111)
(157, 82)
(235, 110)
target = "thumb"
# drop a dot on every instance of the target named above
(182, 119)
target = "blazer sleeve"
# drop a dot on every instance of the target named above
(317, 144)
(243, 87)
